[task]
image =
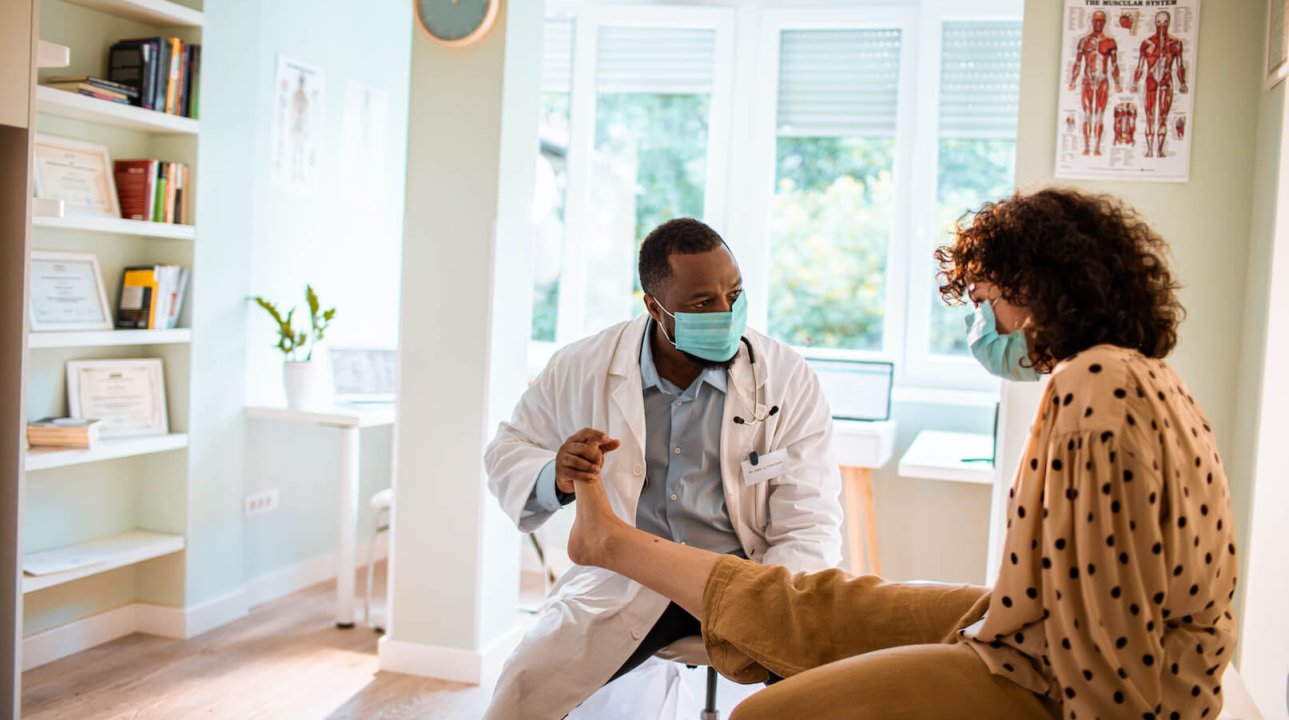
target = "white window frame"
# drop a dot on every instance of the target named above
(740, 186)
(589, 19)
(922, 368)
(754, 251)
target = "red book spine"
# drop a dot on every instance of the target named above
(133, 187)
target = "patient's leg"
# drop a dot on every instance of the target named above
(758, 617)
(916, 682)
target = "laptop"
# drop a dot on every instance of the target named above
(364, 375)
(856, 389)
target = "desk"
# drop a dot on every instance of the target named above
(940, 456)
(860, 448)
(349, 419)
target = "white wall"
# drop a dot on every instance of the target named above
(1264, 644)
(345, 239)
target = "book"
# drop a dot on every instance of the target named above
(93, 83)
(134, 187)
(174, 58)
(194, 82)
(136, 63)
(151, 297)
(63, 432)
(138, 298)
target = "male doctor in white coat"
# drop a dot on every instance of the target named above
(703, 433)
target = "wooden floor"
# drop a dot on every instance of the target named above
(286, 661)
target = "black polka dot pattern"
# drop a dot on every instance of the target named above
(1120, 559)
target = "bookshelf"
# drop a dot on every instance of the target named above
(48, 458)
(106, 553)
(117, 226)
(125, 501)
(108, 338)
(152, 12)
(52, 101)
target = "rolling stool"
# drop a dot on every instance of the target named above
(691, 652)
(381, 503)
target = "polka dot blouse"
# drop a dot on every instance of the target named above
(1119, 565)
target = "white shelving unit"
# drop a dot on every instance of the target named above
(153, 12)
(53, 101)
(46, 458)
(108, 338)
(116, 226)
(106, 553)
(148, 495)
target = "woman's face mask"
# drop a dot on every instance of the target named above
(1002, 355)
(711, 336)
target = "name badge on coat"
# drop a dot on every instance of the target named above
(759, 468)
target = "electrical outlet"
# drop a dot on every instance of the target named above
(261, 502)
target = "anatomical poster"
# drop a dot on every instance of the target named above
(1127, 89)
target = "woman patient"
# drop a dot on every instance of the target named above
(1113, 599)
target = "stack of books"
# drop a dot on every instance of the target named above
(154, 190)
(151, 297)
(63, 432)
(164, 71)
(96, 88)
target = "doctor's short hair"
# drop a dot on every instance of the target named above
(682, 236)
(1088, 268)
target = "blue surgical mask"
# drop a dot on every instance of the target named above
(711, 336)
(1001, 355)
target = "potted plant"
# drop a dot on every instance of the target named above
(303, 378)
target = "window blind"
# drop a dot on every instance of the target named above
(839, 82)
(980, 78)
(557, 56)
(655, 60)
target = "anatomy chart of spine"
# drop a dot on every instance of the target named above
(1127, 87)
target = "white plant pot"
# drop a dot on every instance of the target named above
(305, 383)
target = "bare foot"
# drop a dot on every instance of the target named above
(595, 526)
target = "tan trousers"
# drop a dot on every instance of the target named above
(854, 647)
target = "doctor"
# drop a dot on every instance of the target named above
(703, 433)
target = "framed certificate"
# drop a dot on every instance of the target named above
(78, 173)
(67, 292)
(129, 396)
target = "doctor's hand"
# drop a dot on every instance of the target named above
(581, 457)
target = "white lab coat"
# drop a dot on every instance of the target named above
(594, 618)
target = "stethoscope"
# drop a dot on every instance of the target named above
(756, 416)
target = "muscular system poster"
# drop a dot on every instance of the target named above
(1127, 88)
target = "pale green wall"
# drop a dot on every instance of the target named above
(296, 239)
(1207, 220)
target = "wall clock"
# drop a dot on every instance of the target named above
(456, 23)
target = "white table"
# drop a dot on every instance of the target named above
(861, 447)
(953, 457)
(349, 419)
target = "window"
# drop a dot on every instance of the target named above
(553, 132)
(833, 210)
(979, 99)
(832, 147)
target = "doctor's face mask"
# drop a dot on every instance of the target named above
(712, 336)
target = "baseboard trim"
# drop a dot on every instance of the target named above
(181, 623)
(445, 663)
(285, 581)
(57, 643)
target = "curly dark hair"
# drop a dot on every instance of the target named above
(681, 236)
(1087, 267)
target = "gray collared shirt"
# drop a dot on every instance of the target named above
(683, 498)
